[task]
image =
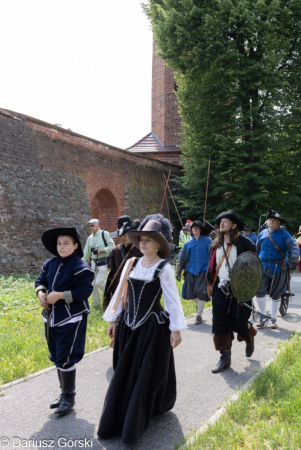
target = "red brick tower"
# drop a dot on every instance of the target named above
(166, 124)
(164, 141)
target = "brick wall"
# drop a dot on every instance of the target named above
(53, 177)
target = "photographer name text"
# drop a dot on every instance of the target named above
(62, 442)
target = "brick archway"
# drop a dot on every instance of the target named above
(104, 208)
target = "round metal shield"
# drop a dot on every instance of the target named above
(246, 276)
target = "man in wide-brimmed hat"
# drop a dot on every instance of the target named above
(279, 253)
(97, 248)
(228, 315)
(120, 254)
(194, 259)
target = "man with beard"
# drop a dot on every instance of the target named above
(228, 314)
(120, 254)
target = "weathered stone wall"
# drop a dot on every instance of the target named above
(53, 177)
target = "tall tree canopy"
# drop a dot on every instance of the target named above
(238, 70)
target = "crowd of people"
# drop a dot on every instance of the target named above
(144, 333)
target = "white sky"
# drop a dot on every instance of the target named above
(84, 64)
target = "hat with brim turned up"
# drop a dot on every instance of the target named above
(124, 225)
(152, 229)
(231, 215)
(272, 214)
(49, 239)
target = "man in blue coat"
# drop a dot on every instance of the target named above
(194, 259)
(279, 254)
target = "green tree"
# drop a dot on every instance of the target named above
(237, 65)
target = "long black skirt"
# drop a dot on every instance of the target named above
(144, 380)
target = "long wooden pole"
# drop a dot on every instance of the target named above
(173, 202)
(205, 207)
(166, 184)
(167, 207)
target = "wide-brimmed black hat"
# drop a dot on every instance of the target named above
(272, 214)
(198, 223)
(156, 227)
(49, 239)
(124, 225)
(233, 216)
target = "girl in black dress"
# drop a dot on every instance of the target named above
(144, 381)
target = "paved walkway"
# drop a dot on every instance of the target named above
(27, 422)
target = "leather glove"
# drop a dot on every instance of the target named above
(178, 277)
(293, 266)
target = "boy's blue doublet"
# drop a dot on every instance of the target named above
(196, 254)
(268, 253)
(252, 237)
(72, 276)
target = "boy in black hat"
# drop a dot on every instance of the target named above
(194, 259)
(63, 288)
(248, 232)
(119, 255)
(279, 253)
(228, 315)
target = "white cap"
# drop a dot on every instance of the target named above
(93, 221)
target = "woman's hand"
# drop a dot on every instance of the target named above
(175, 338)
(112, 329)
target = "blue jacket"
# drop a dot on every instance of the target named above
(72, 276)
(195, 253)
(268, 253)
(252, 237)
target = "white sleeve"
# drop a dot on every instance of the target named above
(108, 315)
(171, 299)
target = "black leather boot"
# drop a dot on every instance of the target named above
(224, 362)
(250, 344)
(68, 393)
(57, 401)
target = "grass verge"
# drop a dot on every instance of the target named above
(23, 348)
(267, 415)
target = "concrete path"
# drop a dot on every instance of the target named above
(27, 422)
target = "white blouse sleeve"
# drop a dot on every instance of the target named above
(171, 299)
(108, 315)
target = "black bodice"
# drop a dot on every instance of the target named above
(144, 299)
